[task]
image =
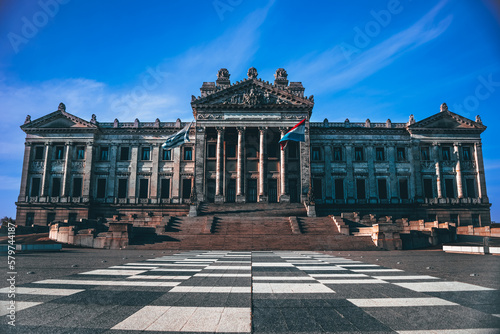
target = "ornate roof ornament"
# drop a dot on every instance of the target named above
(28, 119)
(411, 120)
(444, 107)
(93, 120)
(252, 73)
(62, 107)
(281, 74)
(478, 119)
(116, 123)
(223, 73)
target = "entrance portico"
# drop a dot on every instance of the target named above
(238, 128)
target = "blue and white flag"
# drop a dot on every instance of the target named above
(297, 133)
(177, 139)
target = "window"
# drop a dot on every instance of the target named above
(59, 152)
(167, 155)
(72, 217)
(292, 148)
(316, 154)
(401, 154)
(403, 188)
(318, 188)
(358, 154)
(230, 150)
(379, 154)
(360, 188)
(165, 188)
(124, 153)
(211, 151)
(272, 150)
(428, 191)
(80, 153)
(424, 154)
(143, 188)
(56, 186)
(39, 153)
(35, 187)
(101, 188)
(382, 188)
(146, 153)
(470, 186)
(122, 188)
(450, 189)
(466, 154)
(186, 188)
(188, 153)
(339, 188)
(445, 153)
(476, 219)
(77, 187)
(30, 218)
(104, 154)
(51, 216)
(454, 219)
(337, 153)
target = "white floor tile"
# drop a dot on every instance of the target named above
(19, 306)
(43, 291)
(290, 288)
(401, 302)
(441, 286)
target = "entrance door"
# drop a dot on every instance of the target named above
(273, 190)
(231, 191)
(210, 191)
(252, 191)
(292, 188)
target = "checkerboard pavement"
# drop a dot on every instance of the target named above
(259, 292)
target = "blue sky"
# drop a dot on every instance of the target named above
(361, 59)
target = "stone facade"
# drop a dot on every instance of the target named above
(76, 169)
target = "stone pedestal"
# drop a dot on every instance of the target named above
(193, 210)
(284, 198)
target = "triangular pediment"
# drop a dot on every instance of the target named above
(59, 120)
(447, 121)
(252, 94)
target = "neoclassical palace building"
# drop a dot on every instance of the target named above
(77, 169)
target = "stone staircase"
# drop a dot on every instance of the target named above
(252, 228)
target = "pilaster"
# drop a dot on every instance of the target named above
(372, 182)
(262, 147)
(240, 195)
(88, 170)
(67, 170)
(155, 156)
(458, 170)
(46, 170)
(23, 192)
(481, 179)
(133, 174)
(349, 157)
(393, 179)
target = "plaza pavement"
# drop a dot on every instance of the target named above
(99, 291)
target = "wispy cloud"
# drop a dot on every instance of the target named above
(342, 74)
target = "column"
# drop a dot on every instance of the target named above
(417, 166)
(372, 181)
(199, 162)
(393, 179)
(176, 177)
(481, 180)
(305, 165)
(67, 170)
(110, 191)
(87, 171)
(435, 150)
(24, 178)
(239, 168)
(46, 171)
(155, 156)
(284, 197)
(262, 145)
(412, 185)
(349, 157)
(219, 198)
(132, 181)
(458, 170)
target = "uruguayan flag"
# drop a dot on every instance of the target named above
(177, 139)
